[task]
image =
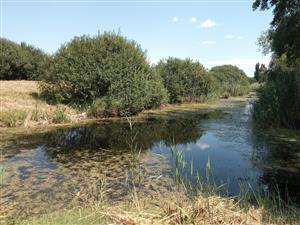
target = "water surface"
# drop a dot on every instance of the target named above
(65, 167)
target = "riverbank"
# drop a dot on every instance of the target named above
(120, 174)
(174, 208)
(202, 210)
(21, 106)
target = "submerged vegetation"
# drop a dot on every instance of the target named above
(97, 163)
(101, 173)
(202, 202)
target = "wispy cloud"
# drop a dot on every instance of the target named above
(208, 23)
(229, 36)
(193, 19)
(208, 42)
(175, 19)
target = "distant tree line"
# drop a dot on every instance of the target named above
(279, 97)
(111, 75)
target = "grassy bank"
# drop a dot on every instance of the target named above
(202, 210)
(21, 106)
(172, 209)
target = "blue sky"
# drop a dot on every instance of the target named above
(213, 32)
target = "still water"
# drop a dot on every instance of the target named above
(65, 167)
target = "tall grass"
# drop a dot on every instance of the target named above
(273, 208)
(60, 116)
(13, 118)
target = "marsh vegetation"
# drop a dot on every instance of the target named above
(116, 172)
(171, 143)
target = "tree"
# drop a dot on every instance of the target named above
(279, 99)
(232, 80)
(108, 70)
(260, 73)
(21, 61)
(284, 33)
(186, 80)
(256, 72)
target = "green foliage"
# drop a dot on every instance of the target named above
(231, 80)
(156, 90)
(21, 62)
(279, 98)
(12, 118)
(251, 80)
(106, 66)
(186, 80)
(98, 108)
(255, 86)
(60, 116)
(260, 73)
(283, 36)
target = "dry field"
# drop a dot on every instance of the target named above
(22, 106)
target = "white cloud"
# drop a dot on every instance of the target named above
(208, 42)
(229, 36)
(175, 19)
(202, 146)
(208, 24)
(193, 19)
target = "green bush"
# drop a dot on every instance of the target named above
(13, 118)
(157, 93)
(106, 66)
(98, 108)
(279, 99)
(60, 116)
(186, 80)
(231, 80)
(21, 62)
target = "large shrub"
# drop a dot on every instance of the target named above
(185, 80)
(231, 80)
(279, 99)
(21, 62)
(107, 70)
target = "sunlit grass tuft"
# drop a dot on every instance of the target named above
(12, 118)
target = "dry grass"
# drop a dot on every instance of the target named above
(19, 95)
(170, 210)
(21, 106)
